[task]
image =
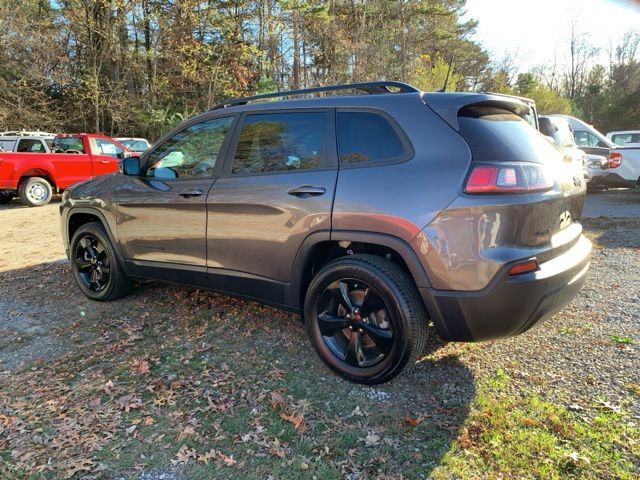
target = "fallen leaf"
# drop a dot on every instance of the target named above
(83, 465)
(184, 455)
(228, 461)
(186, 432)
(372, 439)
(148, 421)
(297, 419)
(412, 421)
(207, 456)
(277, 400)
(140, 366)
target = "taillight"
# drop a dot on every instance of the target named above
(514, 177)
(615, 159)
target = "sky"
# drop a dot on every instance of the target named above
(536, 29)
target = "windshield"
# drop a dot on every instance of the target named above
(135, 145)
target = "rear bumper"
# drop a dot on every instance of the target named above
(510, 305)
(614, 180)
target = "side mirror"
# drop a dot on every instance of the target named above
(131, 166)
(601, 144)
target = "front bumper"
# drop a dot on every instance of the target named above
(510, 305)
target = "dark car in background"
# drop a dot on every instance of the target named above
(371, 214)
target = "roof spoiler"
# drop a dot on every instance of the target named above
(447, 106)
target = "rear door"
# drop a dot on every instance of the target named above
(162, 217)
(277, 189)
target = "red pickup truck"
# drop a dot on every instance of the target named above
(34, 177)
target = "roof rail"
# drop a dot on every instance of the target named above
(367, 87)
(26, 133)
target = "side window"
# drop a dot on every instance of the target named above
(275, 142)
(105, 147)
(585, 139)
(30, 145)
(367, 137)
(192, 152)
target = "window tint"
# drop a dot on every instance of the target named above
(192, 152)
(30, 145)
(367, 137)
(498, 135)
(280, 141)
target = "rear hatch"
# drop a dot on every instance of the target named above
(518, 185)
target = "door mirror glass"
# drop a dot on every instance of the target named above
(131, 166)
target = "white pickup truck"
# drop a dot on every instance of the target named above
(624, 162)
(26, 142)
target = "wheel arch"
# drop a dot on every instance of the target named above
(41, 172)
(320, 248)
(76, 217)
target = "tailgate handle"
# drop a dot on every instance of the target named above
(304, 191)
(190, 192)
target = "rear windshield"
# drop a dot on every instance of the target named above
(498, 135)
(64, 144)
(624, 138)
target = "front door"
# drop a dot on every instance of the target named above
(162, 217)
(276, 189)
(107, 156)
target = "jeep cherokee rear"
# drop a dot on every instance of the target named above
(371, 214)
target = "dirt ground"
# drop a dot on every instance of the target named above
(175, 383)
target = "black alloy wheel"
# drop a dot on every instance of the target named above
(355, 323)
(92, 263)
(95, 265)
(364, 318)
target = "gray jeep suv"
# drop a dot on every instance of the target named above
(372, 214)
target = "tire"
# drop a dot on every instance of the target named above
(35, 192)
(382, 327)
(95, 265)
(6, 198)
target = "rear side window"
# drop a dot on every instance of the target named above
(368, 137)
(276, 142)
(30, 145)
(498, 135)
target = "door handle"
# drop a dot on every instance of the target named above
(190, 192)
(105, 161)
(304, 191)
